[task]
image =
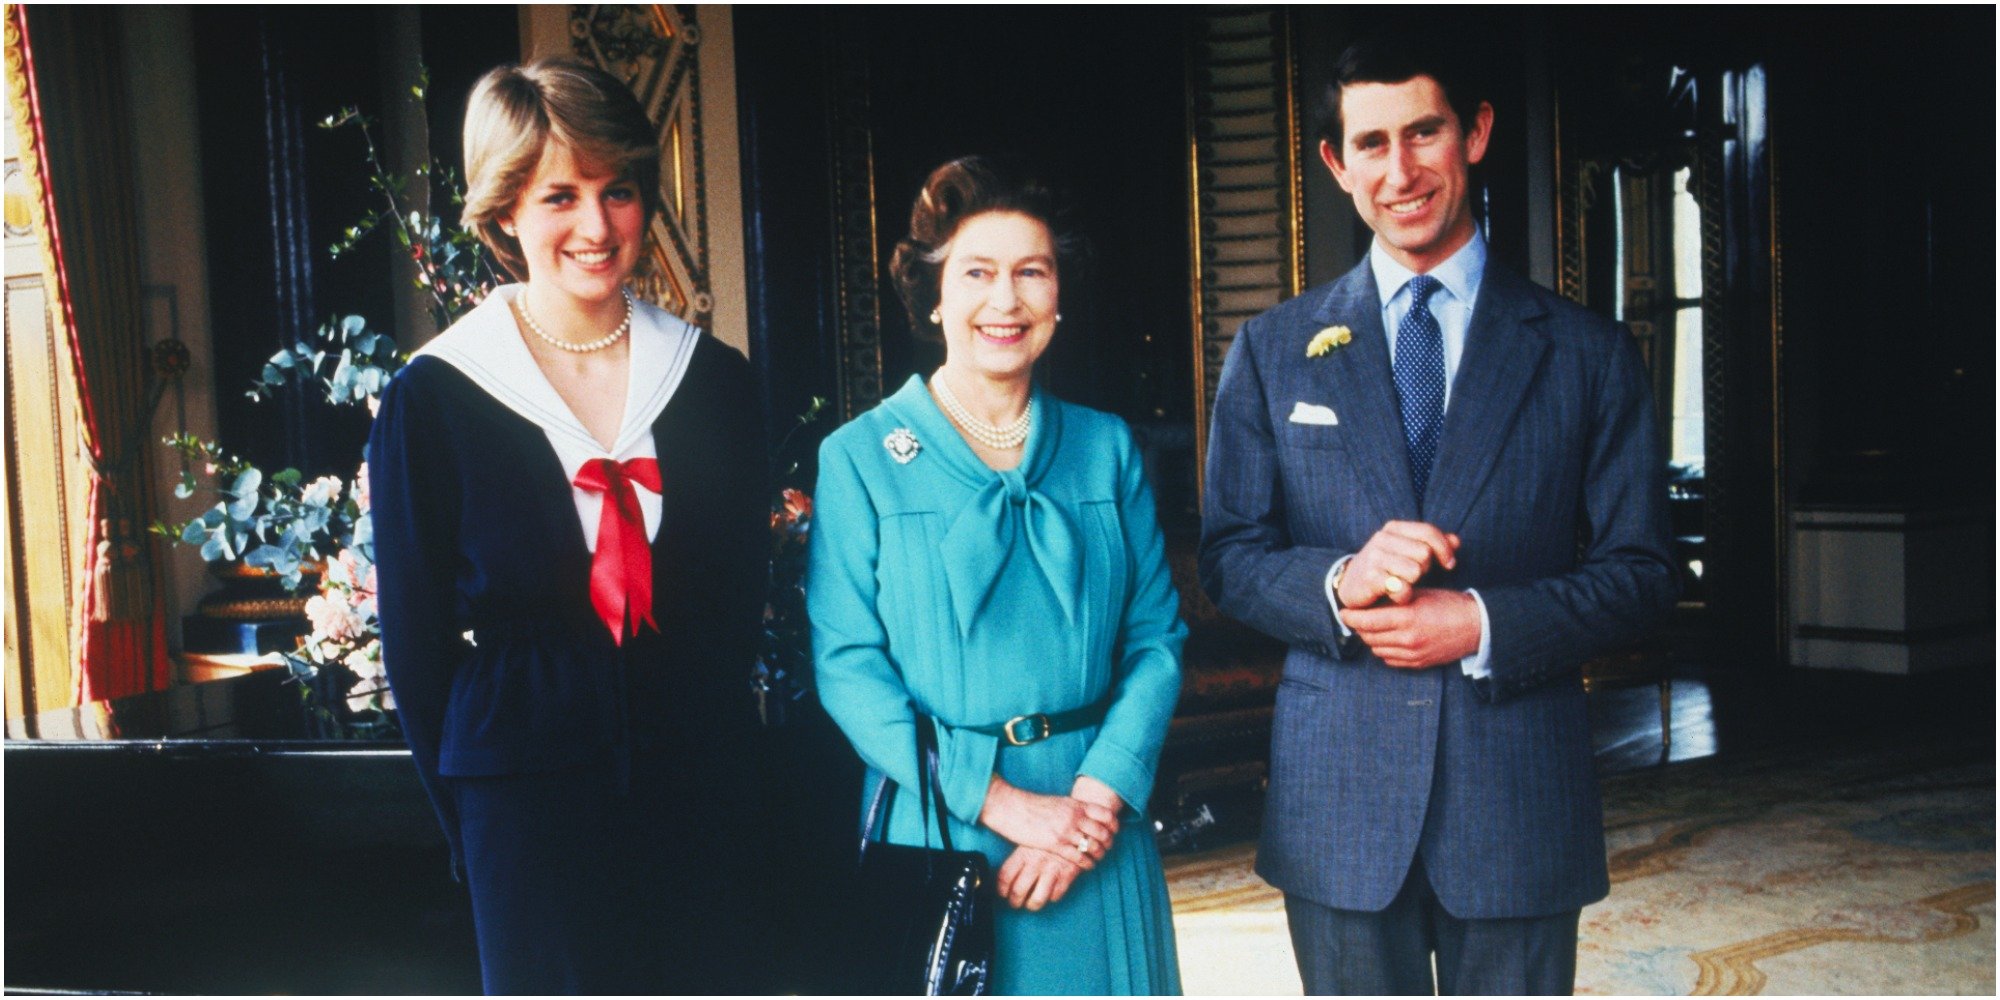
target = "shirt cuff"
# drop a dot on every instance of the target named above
(1475, 665)
(1333, 603)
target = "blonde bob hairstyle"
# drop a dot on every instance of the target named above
(516, 111)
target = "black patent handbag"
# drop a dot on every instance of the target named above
(924, 916)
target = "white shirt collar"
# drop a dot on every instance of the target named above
(1460, 273)
(486, 346)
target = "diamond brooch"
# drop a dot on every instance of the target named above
(902, 445)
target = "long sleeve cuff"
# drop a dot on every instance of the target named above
(1334, 603)
(1121, 772)
(1475, 666)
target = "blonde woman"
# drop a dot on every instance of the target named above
(568, 505)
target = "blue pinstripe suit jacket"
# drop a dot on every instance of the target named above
(1550, 468)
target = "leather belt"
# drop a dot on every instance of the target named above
(1022, 730)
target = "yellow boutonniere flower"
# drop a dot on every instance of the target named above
(1329, 340)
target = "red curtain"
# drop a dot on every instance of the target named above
(81, 123)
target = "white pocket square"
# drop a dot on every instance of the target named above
(1309, 413)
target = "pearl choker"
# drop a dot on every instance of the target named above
(587, 346)
(994, 436)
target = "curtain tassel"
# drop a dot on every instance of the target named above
(119, 578)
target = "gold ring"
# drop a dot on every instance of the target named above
(1392, 584)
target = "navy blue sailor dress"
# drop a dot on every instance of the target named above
(597, 795)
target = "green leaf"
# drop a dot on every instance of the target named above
(243, 507)
(287, 477)
(247, 483)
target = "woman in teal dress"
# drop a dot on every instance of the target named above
(990, 555)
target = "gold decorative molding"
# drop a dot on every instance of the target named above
(655, 49)
(47, 478)
(25, 119)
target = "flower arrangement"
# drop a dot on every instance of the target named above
(1329, 340)
(279, 523)
(285, 525)
(340, 661)
(784, 656)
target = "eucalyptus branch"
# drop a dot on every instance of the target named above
(811, 413)
(452, 267)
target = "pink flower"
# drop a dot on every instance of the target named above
(345, 570)
(371, 684)
(321, 491)
(330, 620)
(366, 662)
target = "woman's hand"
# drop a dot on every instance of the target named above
(1071, 829)
(1031, 879)
(1097, 793)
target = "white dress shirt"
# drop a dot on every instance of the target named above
(1458, 277)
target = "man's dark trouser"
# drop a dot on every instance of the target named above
(1347, 952)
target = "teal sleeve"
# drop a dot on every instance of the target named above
(858, 681)
(1126, 752)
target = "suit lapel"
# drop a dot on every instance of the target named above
(1364, 394)
(1502, 354)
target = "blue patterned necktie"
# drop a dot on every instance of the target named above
(1419, 369)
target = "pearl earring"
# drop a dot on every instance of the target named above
(1058, 317)
(935, 319)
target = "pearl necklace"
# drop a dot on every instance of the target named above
(994, 436)
(587, 346)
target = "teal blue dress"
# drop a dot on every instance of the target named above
(979, 596)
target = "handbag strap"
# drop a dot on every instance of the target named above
(877, 817)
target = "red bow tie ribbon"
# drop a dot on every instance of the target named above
(621, 571)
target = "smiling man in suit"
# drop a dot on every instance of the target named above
(1440, 485)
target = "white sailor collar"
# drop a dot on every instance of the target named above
(486, 346)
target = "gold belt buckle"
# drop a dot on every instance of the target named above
(1038, 729)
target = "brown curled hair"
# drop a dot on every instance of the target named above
(957, 191)
(516, 111)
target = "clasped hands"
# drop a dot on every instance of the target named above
(1057, 837)
(1404, 624)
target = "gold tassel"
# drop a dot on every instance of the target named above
(119, 578)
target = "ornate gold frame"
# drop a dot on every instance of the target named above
(656, 49)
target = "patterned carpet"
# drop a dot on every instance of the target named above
(1866, 871)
